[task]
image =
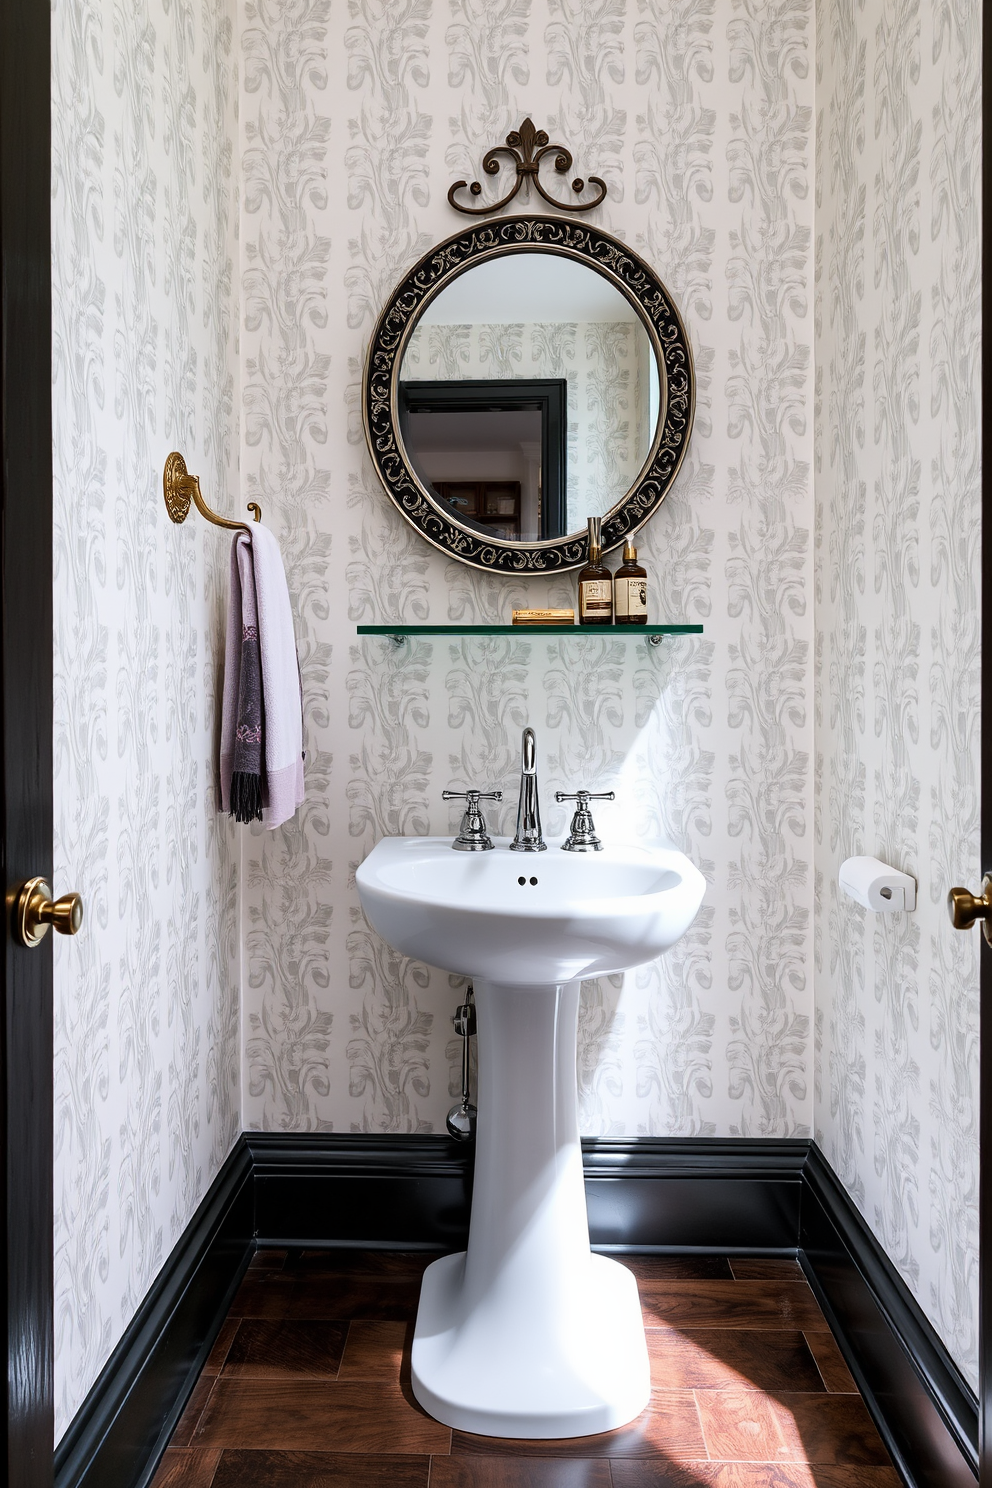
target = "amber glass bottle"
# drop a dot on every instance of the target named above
(630, 590)
(595, 581)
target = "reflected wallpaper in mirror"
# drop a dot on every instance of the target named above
(511, 329)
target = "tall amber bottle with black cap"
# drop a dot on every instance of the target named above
(595, 581)
(630, 590)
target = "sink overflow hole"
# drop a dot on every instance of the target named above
(522, 881)
(533, 880)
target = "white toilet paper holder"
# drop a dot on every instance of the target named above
(876, 886)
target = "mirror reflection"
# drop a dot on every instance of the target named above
(529, 396)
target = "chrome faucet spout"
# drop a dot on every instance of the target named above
(529, 837)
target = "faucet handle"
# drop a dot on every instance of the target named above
(582, 833)
(471, 795)
(472, 834)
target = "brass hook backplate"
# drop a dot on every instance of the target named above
(182, 489)
(178, 488)
(965, 908)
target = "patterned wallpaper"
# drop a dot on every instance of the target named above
(349, 125)
(699, 115)
(898, 622)
(147, 1052)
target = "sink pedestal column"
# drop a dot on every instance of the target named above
(527, 1333)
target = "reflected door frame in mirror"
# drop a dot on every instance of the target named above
(635, 280)
(548, 394)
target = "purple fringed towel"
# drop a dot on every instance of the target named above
(261, 741)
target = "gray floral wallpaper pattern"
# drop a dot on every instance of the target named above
(898, 616)
(700, 117)
(235, 193)
(147, 1043)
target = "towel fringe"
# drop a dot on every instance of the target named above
(246, 796)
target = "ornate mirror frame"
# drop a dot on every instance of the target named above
(380, 405)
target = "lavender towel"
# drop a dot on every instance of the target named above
(262, 718)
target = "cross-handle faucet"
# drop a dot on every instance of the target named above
(472, 835)
(529, 837)
(582, 833)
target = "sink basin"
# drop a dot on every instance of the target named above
(527, 1333)
(526, 918)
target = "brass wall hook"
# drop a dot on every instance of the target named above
(181, 489)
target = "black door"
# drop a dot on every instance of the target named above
(26, 723)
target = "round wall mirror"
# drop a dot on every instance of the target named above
(526, 375)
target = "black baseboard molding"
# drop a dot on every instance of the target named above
(123, 1426)
(322, 1189)
(925, 1410)
(688, 1193)
(646, 1194)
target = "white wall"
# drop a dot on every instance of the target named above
(898, 624)
(144, 219)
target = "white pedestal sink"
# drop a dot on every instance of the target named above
(527, 1333)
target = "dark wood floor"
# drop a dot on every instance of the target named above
(308, 1387)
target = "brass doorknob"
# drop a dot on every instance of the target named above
(34, 910)
(965, 908)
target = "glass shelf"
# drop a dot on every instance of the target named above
(653, 634)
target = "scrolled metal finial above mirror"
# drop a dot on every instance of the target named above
(527, 374)
(527, 147)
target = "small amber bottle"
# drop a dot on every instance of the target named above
(630, 589)
(595, 581)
